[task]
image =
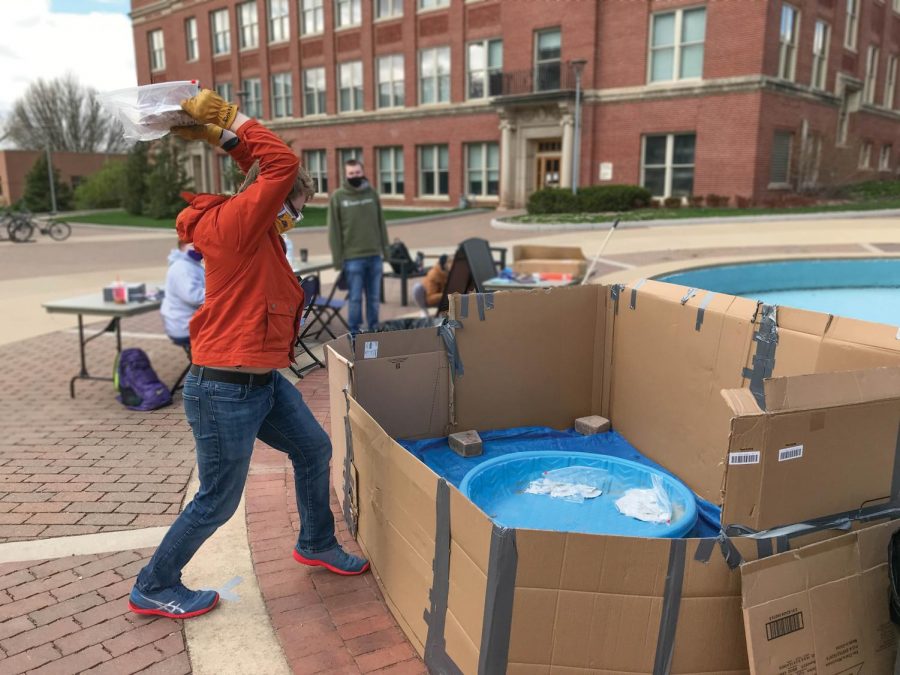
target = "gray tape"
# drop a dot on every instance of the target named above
(447, 331)
(733, 557)
(634, 290)
(464, 307)
(226, 590)
(436, 658)
(349, 483)
(614, 292)
(701, 310)
(763, 548)
(766, 338)
(895, 478)
(705, 549)
(784, 544)
(479, 300)
(837, 521)
(691, 292)
(665, 643)
(489, 300)
(498, 601)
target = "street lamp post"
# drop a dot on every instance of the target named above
(578, 67)
(50, 178)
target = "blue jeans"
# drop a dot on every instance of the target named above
(363, 274)
(226, 419)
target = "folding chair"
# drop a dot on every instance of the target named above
(327, 309)
(472, 265)
(311, 287)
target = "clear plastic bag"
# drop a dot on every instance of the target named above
(649, 505)
(572, 483)
(150, 111)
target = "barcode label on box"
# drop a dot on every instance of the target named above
(784, 626)
(371, 350)
(793, 452)
(745, 457)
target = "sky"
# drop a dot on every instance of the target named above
(48, 38)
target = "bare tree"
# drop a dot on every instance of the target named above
(64, 114)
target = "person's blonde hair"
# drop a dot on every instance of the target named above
(303, 185)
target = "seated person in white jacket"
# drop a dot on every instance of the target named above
(185, 291)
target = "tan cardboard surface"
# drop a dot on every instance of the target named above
(561, 259)
(397, 343)
(823, 390)
(822, 609)
(338, 380)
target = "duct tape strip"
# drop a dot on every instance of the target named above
(349, 483)
(489, 300)
(226, 591)
(783, 544)
(614, 292)
(464, 307)
(766, 338)
(837, 521)
(634, 290)
(479, 300)
(691, 292)
(447, 332)
(498, 601)
(705, 548)
(763, 548)
(701, 310)
(895, 478)
(436, 658)
(665, 643)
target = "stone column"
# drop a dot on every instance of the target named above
(568, 147)
(507, 163)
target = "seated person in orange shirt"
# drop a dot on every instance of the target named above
(428, 293)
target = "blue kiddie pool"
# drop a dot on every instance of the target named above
(578, 492)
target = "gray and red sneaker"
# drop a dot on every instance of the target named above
(335, 560)
(177, 602)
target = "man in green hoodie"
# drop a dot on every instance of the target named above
(359, 239)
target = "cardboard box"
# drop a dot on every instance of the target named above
(718, 389)
(561, 259)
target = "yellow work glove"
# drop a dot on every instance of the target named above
(211, 133)
(209, 107)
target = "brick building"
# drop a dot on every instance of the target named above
(450, 98)
(73, 168)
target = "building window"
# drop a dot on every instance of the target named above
(313, 17)
(897, 6)
(279, 21)
(221, 32)
(851, 27)
(346, 154)
(228, 174)
(547, 60)
(191, 38)
(780, 171)
(676, 47)
(314, 160)
(668, 169)
(871, 75)
(821, 42)
(787, 42)
(248, 22)
(314, 91)
(434, 175)
(252, 98)
(482, 169)
(224, 90)
(485, 64)
(390, 171)
(390, 81)
(282, 95)
(884, 161)
(890, 82)
(434, 75)
(865, 156)
(431, 4)
(385, 9)
(351, 87)
(347, 13)
(157, 50)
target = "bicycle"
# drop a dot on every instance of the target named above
(21, 228)
(18, 227)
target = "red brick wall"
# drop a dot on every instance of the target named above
(15, 165)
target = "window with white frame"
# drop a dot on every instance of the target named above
(282, 95)
(871, 75)
(390, 81)
(431, 4)
(224, 90)
(157, 50)
(482, 169)
(252, 99)
(676, 45)
(668, 164)
(346, 154)
(390, 171)
(314, 91)
(851, 25)
(884, 160)
(897, 6)
(434, 75)
(787, 42)
(312, 17)
(434, 174)
(485, 69)
(350, 86)
(347, 13)
(221, 32)
(314, 161)
(279, 21)
(890, 82)
(248, 25)
(865, 155)
(191, 39)
(547, 59)
(821, 42)
(385, 9)
(780, 164)
(228, 174)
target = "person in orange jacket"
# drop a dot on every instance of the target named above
(243, 333)
(429, 292)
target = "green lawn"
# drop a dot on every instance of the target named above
(313, 216)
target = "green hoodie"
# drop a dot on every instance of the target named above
(356, 227)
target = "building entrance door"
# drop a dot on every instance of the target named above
(549, 161)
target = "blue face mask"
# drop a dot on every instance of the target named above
(195, 255)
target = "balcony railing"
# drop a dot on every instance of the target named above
(546, 77)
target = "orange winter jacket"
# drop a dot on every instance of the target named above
(253, 301)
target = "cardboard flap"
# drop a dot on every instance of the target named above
(826, 390)
(397, 343)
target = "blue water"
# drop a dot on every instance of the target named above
(859, 288)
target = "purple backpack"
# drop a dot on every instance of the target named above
(137, 383)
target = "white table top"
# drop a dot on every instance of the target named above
(93, 304)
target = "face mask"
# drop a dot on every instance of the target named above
(284, 222)
(356, 181)
(195, 255)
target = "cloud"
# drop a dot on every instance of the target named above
(96, 47)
